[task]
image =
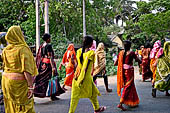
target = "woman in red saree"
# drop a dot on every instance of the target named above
(125, 77)
(146, 72)
(70, 62)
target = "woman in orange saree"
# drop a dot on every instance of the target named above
(125, 77)
(70, 62)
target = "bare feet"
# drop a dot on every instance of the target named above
(101, 109)
(121, 107)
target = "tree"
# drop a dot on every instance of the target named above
(151, 22)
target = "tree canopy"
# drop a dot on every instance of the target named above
(150, 22)
(147, 21)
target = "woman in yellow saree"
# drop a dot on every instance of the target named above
(83, 85)
(70, 62)
(19, 69)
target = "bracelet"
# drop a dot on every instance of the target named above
(31, 88)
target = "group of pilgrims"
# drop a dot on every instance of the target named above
(24, 77)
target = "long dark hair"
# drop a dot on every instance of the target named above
(46, 36)
(87, 43)
(147, 45)
(127, 45)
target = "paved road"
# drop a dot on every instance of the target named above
(161, 104)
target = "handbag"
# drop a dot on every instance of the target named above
(52, 86)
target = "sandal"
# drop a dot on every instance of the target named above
(101, 109)
(121, 107)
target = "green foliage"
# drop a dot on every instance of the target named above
(29, 25)
(151, 22)
(59, 45)
(12, 13)
(112, 29)
(65, 17)
(62, 72)
(157, 24)
(110, 68)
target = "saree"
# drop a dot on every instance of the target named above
(45, 72)
(70, 66)
(125, 80)
(17, 58)
(146, 72)
(162, 80)
(152, 68)
(100, 59)
(156, 52)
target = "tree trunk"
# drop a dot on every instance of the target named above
(46, 17)
(37, 26)
(84, 19)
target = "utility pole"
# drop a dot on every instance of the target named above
(46, 17)
(37, 25)
(84, 18)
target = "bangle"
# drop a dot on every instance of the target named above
(30, 88)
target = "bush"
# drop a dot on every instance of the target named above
(62, 72)
(110, 68)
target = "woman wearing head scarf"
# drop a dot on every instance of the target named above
(46, 68)
(125, 77)
(19, 69)
(162, 79)
(93, 47)
(156, 52)
(70, 63)
(83, 85)
(100, 65)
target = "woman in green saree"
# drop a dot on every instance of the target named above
(162, 80)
